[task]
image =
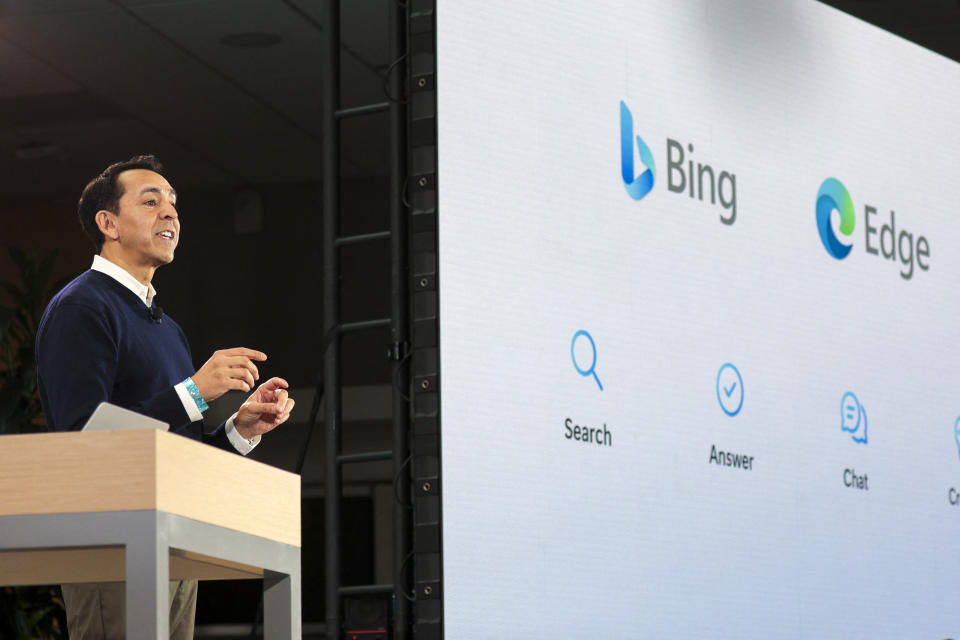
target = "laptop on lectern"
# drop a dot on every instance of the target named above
(110, 417)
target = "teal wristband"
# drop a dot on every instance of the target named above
(195, 394)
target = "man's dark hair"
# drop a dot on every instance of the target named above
(104, 192)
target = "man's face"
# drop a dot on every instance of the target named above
(146, 218)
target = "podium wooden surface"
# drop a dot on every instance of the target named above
(148, 506)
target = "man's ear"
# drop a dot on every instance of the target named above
(107, 223)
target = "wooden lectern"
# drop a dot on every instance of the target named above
(148, 506)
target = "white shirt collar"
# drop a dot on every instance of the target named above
(121, 275)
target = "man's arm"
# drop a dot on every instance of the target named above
(266, 409)
(226, 370)
(77, 362)
(78, 359)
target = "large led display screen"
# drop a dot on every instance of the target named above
(699, 295)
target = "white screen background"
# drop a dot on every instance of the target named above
(548, 537)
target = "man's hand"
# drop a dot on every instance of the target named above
(266, 409)
(226, 370)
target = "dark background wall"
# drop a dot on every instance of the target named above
(227, 93)
(242, 280)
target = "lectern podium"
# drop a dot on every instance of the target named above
(148, 506)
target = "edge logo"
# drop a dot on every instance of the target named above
(637, 186)
(833, 196)
(700, 181)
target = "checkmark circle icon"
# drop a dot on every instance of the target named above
(730, 389)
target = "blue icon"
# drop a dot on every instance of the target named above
(852, 417)
(730, 389)
(833, 196)
(956, 434)
(637, 185)
(591, 370)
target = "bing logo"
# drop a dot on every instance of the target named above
(698, 180)
(637, 185)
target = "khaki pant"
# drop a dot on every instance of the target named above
(96, 610)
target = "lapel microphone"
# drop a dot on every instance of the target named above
(156, 314)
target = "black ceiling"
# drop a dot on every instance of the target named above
(227, 91)
(934, 24)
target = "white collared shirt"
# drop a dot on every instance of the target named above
(146, 293)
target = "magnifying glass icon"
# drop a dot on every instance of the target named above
(588, 371)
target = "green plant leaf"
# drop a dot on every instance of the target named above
(19, 257)
(16, 293)
(32, 613)
(19, 402)
(6, 317)
(10, 404)
(45, 269)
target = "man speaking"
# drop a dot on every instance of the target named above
(103, 338)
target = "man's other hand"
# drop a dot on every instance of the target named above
(227, 370)
(266, 409)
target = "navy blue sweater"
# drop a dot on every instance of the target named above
(96, 343)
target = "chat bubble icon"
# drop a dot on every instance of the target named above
(853, 417)
(956, 434)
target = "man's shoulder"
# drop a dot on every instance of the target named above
(90, 289)
(90, 295)
(85, 302)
